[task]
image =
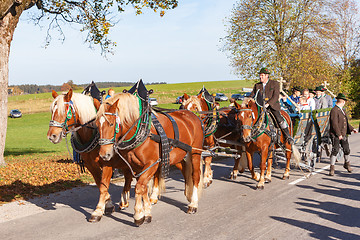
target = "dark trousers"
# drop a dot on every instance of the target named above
(276, 114)
(336, 142)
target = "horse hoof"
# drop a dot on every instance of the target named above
(285, 177)
(123, 206)
(148, 219)
(95, 219)
(233, 176)
(109, 210)
(139, 222)
(242, 170)
(267, 180)
(153, 201)
(260, 187)
(192, 210)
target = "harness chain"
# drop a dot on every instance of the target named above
(165, 146)
(87, 147)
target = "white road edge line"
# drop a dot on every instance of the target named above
(314, 173)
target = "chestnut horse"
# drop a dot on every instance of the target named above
(225, 129)
(76, 112)
(260, 141)
(117, 118)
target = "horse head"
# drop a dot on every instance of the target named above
(195, 103)
(114, 118)
(62, 116)
(66, 115)
(246, 117)
(109, 126)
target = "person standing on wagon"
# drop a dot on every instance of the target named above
(339, 129)
(269, 92)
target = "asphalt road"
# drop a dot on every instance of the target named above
(321, 207)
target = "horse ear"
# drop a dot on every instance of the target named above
(97, 104)
(237, 106)
(68, 96)
(54, 94)
(186, 97)
(113, 107)
(250, 103)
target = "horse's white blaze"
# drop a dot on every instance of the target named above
(253, 115)
(242, 114)
(102, 120)
(189, 106)
(54, 110)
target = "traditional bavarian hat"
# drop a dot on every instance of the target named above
(264, 70)
(341, 96)
(320, 88)
(312, 91)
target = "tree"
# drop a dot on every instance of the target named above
(355, 86)
(271, 33)
(95, 16)
(343, 41)
(309, 66)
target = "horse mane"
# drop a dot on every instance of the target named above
(127, 107)
(246, 101)
(83, 104)
(194, 100)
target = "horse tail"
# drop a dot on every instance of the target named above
(296, 154)
(161, 185)
(188, 177)
(160, 188)
(189, 184)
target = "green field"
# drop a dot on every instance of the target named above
(27, 135)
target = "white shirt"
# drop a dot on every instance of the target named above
(311, 103)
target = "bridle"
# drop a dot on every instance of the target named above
(252, 122)
(69, 114)
(118, 128)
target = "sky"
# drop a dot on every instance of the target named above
(183, 46)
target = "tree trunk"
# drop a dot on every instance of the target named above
(7, 27)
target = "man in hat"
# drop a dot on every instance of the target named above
(269, 92)
(339, 129)
(320, 100)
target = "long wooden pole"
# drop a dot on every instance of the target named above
(281, 81)
(325, 85)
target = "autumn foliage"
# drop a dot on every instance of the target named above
(31, 176)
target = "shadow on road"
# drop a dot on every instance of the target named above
(318, 231)
(332, 211)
